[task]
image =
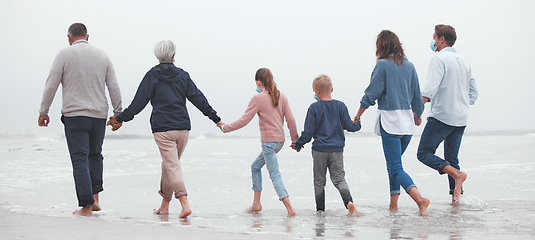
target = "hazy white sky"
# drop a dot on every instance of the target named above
(222, 43)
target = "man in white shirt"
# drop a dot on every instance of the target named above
(84, 72)
(450, 89)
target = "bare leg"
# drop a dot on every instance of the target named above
(459, 177)
(257, 206)
(96, 205)
(422, 202)
(164, 208)
(186, 211)
(393, 202)
(85, 211)
(288, 205)
(352, 209)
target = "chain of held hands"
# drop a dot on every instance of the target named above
(116, 125)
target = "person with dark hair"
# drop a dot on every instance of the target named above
(394, 85)
(167, 87)
(272, 108)
(451, 89)
(84, 73)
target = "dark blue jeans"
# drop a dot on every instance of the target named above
(393, 147)
(85, 136)
(436, 132)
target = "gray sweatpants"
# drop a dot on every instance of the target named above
(334, 161)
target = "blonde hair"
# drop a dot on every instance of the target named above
(322, 83)
(265, 76)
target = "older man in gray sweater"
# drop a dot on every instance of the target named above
(84, 73)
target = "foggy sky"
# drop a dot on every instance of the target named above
(222, 44)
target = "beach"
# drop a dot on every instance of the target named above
(37, 194)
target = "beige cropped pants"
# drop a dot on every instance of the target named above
(171, 144)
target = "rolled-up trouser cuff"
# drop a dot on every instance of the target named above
(97, 189)
(167, 197)
(395, 192)
(442, 166)
(88, 204)
(409, 188)
(453, 190)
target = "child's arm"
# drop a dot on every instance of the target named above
(290, 120)
(347, 123)
(244, 119)
(308, 131)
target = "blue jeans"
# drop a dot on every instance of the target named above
(268, 157)
(436, 132)
(393, 147)
(85, 136)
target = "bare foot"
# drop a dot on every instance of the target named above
(423, 206)
(85, 211)
(95, 207)
(161, 211)
(255, 208)
(291, 212)
(458, 186)
(185, 213)
(352, 209)
(288, 206)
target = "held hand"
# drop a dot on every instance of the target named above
(43, 120)
(221, 125)
(114, 123)
(417, 120)
(426, 99)
(295, 148)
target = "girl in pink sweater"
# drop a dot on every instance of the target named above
(272, 108)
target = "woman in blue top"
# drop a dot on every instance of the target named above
(394, 84)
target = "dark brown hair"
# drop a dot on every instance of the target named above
(389, 46)
(78, 30)
(448, 32)
(265, 76)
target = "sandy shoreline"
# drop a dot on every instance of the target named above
(30, 226)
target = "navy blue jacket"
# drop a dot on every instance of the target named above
(326, 121)
(167, 87)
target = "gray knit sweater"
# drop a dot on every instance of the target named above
(84, 72)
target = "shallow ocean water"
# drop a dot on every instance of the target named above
(499, 200)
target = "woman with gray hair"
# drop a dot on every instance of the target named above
(167, 87)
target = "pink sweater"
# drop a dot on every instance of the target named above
(271, 119)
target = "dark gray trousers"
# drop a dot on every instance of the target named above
(334, 161)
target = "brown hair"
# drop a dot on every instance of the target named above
(389, 46)
(265, 76)
(448, 32)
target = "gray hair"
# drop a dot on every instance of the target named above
(164, 50)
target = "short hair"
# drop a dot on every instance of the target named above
(78, 30)
(446, 31)
(164, 50)
(322, 83)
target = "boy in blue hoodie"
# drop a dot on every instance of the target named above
(325, 122)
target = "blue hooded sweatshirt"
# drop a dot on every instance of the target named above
(167, 87)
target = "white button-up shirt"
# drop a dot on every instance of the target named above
(450, 87)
